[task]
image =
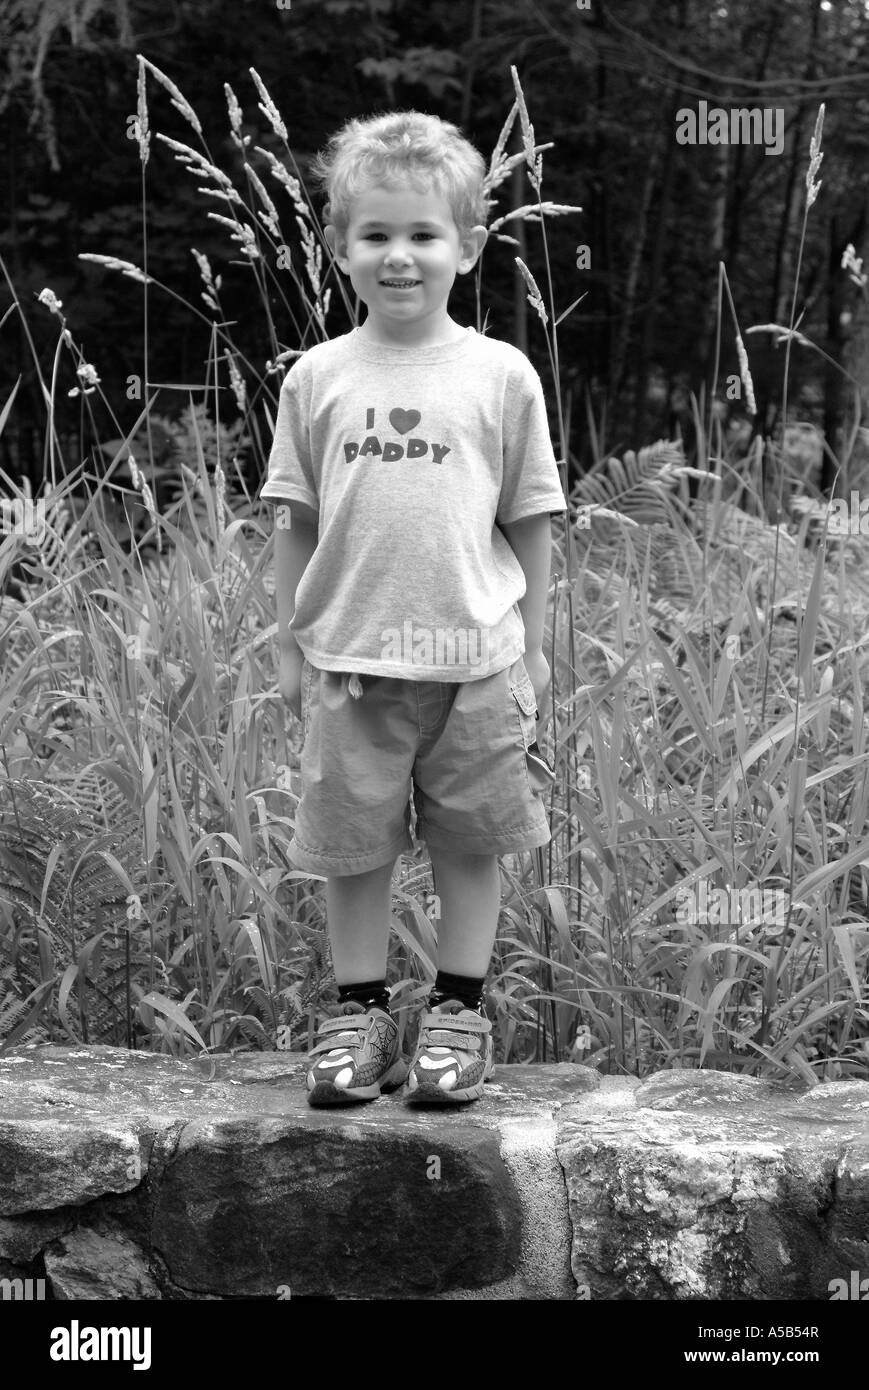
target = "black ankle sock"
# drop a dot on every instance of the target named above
(467, 990)
(371, 994)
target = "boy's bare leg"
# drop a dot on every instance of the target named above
(358, 909)
(469, 888)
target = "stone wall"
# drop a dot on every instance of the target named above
(132, 1175)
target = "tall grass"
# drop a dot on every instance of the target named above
(706, 723)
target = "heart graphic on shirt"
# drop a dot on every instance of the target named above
(404, 420)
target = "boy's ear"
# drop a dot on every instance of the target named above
(472, 244)
(337, 244)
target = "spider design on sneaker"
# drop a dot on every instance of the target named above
(356, 1055)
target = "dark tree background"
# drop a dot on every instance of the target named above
(604, 83)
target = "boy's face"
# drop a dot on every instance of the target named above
(402, 252)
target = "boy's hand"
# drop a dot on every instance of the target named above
(538, 669)
(290, 678)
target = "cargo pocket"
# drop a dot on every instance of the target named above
(541, 774)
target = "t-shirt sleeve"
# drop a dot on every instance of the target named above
(531, 482)
(291, 475)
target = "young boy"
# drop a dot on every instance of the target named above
(414, 477)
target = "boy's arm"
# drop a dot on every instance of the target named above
(295, 543)
(530, 539)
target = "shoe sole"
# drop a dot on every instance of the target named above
(327, 1093)
(430, 1093)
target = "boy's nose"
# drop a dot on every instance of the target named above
(397, 255)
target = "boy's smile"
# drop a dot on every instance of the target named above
(402, 252)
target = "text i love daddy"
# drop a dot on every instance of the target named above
(390, 450)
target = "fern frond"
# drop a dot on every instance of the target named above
(641, 486)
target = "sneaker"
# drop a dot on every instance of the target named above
(454, 1055)
(355, 1057)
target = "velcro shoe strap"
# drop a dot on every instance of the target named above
(333, 1046)
(344, 1023)
(339, 1025)
(441, 1037)
(459, 1023)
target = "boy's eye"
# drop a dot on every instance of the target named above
(381, 236)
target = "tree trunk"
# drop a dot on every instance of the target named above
(620, 352)
(650, 319)
(709, 328)
(471, 65)
(789, 228)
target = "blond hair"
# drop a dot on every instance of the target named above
(398, 148)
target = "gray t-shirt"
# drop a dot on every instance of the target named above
(411, 456)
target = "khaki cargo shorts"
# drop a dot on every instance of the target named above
(460, 750)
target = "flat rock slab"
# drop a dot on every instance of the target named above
(215, 1179)
(57, 1082)
(706, 1185)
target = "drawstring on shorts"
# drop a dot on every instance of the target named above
(355, 686)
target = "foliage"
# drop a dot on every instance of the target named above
(707, 719)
